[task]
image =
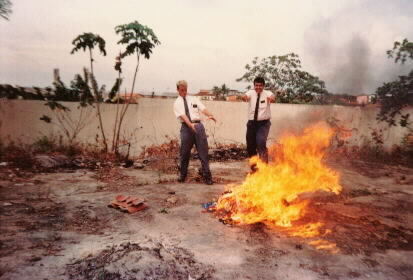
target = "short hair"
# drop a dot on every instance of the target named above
(181, 83)
(259, 80)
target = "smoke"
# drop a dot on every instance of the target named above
(348, 49)
(352, 74)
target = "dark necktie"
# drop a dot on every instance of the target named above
(186, 109)
(256, 107)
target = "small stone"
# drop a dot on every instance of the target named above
(7, 204)
(172, 199)
(35, 259)
(138, 165)
(3, 163)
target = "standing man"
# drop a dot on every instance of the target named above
(187, 109)
(259, 115)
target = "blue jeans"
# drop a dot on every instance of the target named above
(257, 134)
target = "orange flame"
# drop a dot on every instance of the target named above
(271, 194)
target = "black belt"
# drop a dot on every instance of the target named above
(261, 121)
(184, 123)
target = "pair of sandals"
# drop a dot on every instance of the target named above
(128, 204)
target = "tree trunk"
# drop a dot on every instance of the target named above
(116, 120)
(124, 109)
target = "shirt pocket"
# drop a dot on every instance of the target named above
(263, 103)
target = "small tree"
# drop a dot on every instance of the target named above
(79, 91)
(217, 92)
(283, 73)
(89, 41)
(139, 40)
(396, 95)
(220, 92)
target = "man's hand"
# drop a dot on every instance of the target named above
(271, 99)
(188, 122)
(193, 127)
(208, 115)
(211, 117)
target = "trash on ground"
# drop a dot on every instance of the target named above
(129, 204)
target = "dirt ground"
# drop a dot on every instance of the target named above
(58, 226)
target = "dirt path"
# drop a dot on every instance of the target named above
(58, 226)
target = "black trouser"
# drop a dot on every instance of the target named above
(257, 134)
(188, 139)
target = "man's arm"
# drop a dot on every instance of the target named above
(271, 99)
(209, 115)
(188, 122)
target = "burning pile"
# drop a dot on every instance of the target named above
(273, 194)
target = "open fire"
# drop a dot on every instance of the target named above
(276, 193)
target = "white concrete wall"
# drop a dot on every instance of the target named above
(152, 120)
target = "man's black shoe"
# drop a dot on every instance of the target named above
(209, 181)
(181, 179)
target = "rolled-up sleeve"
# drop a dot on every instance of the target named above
(179, 109)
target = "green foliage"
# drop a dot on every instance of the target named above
(138, 39)
(398, 94)
(53, 105)
(283, 74)
(220, 92)
(44, 144)
(62, 93)
(394, 96)
(97, 91)
(9, 92)
(401, 51)
(5, 9)
(88, 40)
(115, 88)
(80, 85)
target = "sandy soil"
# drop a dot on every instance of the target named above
(58, 226)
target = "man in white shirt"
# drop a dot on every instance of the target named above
(259, 115)
(187, 109)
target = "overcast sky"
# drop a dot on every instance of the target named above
(208, 42)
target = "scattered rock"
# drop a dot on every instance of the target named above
(56, 161)
(35, 259)
(150, 260)
(164, 211)
(172, 199)
(138, 165)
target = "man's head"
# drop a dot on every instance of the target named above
(182, 87)
(259, 84)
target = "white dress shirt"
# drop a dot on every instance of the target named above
(194, 105)
(264, 109)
